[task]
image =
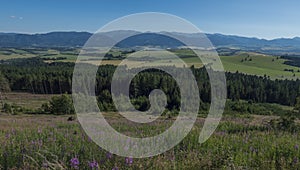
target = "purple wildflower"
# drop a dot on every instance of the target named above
(115, 168)
(13, 131)
(126, 148)
(40, 142)
(109, 155)
(296, 147)
(93, 165)
(7, 135)
(33, 142)
(75, 163)
(129, 160)
(295, 160)
(45, 165)
(39, 130)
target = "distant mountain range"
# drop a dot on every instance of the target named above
(53, 39)
(78, 39)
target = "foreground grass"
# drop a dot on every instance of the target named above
(50, 142)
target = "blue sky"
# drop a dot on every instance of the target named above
(252, 18)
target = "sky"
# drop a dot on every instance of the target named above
(267, 19)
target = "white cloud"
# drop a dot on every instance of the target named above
(15, 17)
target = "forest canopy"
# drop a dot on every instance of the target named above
(35, 76)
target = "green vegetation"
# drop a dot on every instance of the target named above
(38, 131)
(69, 54)
(297, 105)
(243, 107)
(234, 60)
(260, 65)
(25, 100)
(59, 105)
(35, 76)
(48, 142)
(4, 85)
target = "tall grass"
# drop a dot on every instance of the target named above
(54, 143)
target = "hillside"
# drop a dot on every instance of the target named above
(78, 39)
(257, 64)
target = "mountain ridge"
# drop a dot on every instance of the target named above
(78, 39)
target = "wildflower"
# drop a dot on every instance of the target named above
(295, 160)
(115, 168)
(93, 164)
(33, 142)
(39, 142)
(128, 160)
(13, 131)
(39, 130)
(109, 155)
(74, 163)
(296, 147)
(126, 148)
(45, 165)
(7, 135)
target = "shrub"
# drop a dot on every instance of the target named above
(14, 109)
(59, 105)
(285, 123)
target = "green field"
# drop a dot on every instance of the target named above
(259, 65)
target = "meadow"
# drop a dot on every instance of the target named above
(258, 64)
(52, 142)
(241, 141)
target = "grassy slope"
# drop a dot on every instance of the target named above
(260, 65)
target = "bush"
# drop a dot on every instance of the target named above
(254, 108)
(297, 105)
(14, 109)
(7, 108)
(285, 123)
(59, 105)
